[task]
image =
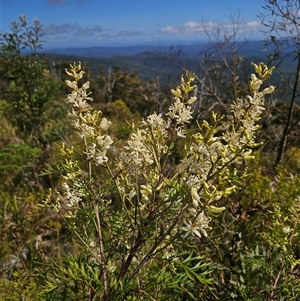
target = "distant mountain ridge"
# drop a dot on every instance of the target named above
(253, 48)
(160, 62)
(104, 52)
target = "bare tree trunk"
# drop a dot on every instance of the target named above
(289, 117)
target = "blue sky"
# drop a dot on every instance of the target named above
(68, 23)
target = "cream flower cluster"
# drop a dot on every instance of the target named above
(147, 154)
(152, 139)
(206, 168)
(91, 128)
(146, 176)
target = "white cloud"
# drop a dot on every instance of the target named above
(192, 29)
(192, 24)
(188, 29)
(253, 24)
(170, 29)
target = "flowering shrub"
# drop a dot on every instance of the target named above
(133, 205)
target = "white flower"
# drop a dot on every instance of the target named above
(156, 122)
(180, 132)
(287, 229)
(181, 113)
(91, 151)
(136, 149)
(71, 98)
(202, 221)
(100, 157)
(86, 86)
(72, 84)
(72, 195)
(105, 124)
(190, 229)
(195, 226)
(86, 131)
(104, 142)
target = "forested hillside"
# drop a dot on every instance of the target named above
(166, 63)
(151, 177)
